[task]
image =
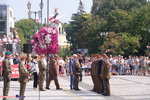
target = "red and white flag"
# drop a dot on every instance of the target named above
(37, 20)
(57, 18)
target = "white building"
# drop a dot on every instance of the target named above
(61, 34)
(6, 20)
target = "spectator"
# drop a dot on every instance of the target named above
(36, 72)
(16, 60)
(143, 66)
(67, 65)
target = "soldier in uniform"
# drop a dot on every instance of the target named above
(93, 74)
(23, 75)
(53, 73)
(42, 72)
(98, 83)
(105, 74)
(76, 71)
(7, 71)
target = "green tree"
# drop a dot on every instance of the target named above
(118, 20)
(81, 8)
(91, 33)
(121, 43)
(140, 25)
(21, 37)
(27, 26)
(103, 7)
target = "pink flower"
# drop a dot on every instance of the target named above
(46, 41)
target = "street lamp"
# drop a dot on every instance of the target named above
(103, 35)
(39, 14)
(41, 7)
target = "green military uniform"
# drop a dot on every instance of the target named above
(7, 71)
(105, 75)
(42, 72)
(98, 83)
(23, 78)
(93, 74)
(76, 71)
(53, 73)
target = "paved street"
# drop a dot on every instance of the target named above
(122, 88)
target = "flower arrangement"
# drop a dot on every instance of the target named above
(45, 41)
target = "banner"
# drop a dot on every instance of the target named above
(15, 71)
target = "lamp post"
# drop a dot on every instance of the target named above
(41, 7)
(35, 12)
(103, 35)
(148, 42)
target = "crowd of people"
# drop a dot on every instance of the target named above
(72, 66)
(14, 42)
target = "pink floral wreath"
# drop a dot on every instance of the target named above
(45, 41)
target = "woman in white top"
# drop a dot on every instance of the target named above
(34, 65)
(14, 44)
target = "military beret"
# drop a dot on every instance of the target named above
(8, 53)
(95, 55)
(42, 55)
(22, 56)
(79, 55)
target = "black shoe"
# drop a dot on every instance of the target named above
(77, 89)
(71, 88)
(105, 94)
(100, 92)
(93, 90)
(42, 90)
(59, 88)
(48, 88)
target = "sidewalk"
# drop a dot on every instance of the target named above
(122, 88)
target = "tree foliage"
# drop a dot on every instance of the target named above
(21, 37)
(27, 26)
(121, 43)
(104, 7)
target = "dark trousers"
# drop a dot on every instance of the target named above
(51, 76)
(71, 81)
(6, 86)
(41, 81)
(107, 86)
(81, 76)
(22, 90)
(76, 81)
(102, 85)
(131, 69)
(35, 80)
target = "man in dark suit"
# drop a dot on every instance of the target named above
(99, 73)
(71, 72)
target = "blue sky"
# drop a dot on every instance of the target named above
(66, 7)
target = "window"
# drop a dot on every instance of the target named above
(11, 14)
(3, 12)
(3, 25)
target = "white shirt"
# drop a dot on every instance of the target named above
(11, 61)
(114, 61)
(4, 39)
(45, 63)
(34, 64)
